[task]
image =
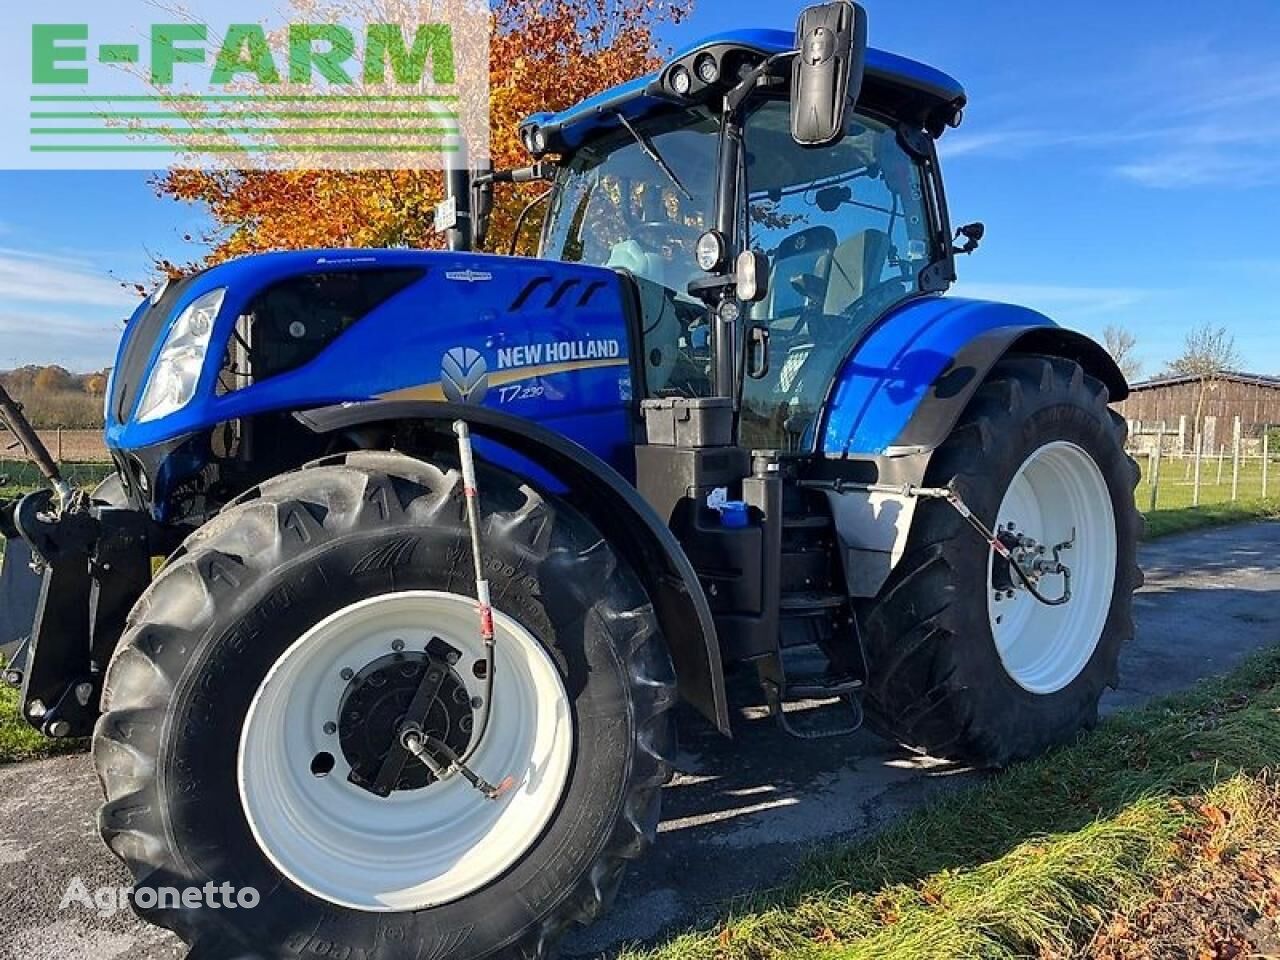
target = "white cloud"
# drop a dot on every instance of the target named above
(995, 142)
(1057, 299)
(1200, 168)
(1207, 123)
(43, 337)
(29, 278)
(59, 309)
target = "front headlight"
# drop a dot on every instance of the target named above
(177, 371)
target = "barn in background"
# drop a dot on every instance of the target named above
(1171, 406)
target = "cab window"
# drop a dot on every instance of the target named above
(847, 232)
(615, 207)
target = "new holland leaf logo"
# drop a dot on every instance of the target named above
(464, 375)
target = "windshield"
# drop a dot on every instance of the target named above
(638, 199)
(615, 206)
(846, 230)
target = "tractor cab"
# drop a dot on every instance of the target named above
(449, 534)
(677, 178)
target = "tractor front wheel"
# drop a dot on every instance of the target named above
(254, 721)
(966, 662)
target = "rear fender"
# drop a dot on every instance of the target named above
(594, 488)
(899, 396)
(907, 382)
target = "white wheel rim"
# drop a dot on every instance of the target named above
(1058, 490)
(416, 848)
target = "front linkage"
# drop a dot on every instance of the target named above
(93, 561)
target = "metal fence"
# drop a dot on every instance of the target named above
(1191, 465)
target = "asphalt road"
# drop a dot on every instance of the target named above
(739, 815)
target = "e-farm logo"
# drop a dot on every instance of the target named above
(58, 51)
(324, 90)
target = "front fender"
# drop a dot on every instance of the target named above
(604, 497)
(907, 383)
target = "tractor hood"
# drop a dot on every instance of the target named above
(291, 331)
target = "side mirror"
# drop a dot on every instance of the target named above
(828, 72)
(752, 276)
(972, 235)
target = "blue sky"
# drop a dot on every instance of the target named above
(1124, 157)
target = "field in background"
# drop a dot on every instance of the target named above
(1169, 499)
(74, 446)
(82, 455)
(1176, 482)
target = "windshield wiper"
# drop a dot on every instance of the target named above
(652, 153)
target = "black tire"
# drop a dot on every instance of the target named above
(937, 683)
(283, 557)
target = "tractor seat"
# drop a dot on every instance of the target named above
(856, 265)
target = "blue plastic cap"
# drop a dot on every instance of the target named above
(734, 515)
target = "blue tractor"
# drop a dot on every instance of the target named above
(449, 535)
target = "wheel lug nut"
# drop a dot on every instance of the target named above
(347, 673)
(397, 645)
(330, 728)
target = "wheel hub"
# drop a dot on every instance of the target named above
(408, 849)
(1030, 556)
(375, 708)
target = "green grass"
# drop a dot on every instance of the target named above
(24, 476)
(1162, 523)
(1174, 512)
(1032, 861)
(1177, 484)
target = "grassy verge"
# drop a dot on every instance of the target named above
(1042, 859)
(1162, 523)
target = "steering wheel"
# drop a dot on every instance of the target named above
(821, 327)
(658, 236)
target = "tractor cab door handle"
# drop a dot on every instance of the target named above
(758, 353)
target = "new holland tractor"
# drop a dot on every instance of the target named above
(449, 535)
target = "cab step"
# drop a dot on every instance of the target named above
(811, 603)
(844, 694)
(800, 675)
(806, 522)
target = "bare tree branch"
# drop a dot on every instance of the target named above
(1122, 345)
(1207, 352)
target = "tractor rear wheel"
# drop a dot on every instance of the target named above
(965, 662)
(254, 712)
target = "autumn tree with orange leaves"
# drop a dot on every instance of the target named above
(544, 55)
